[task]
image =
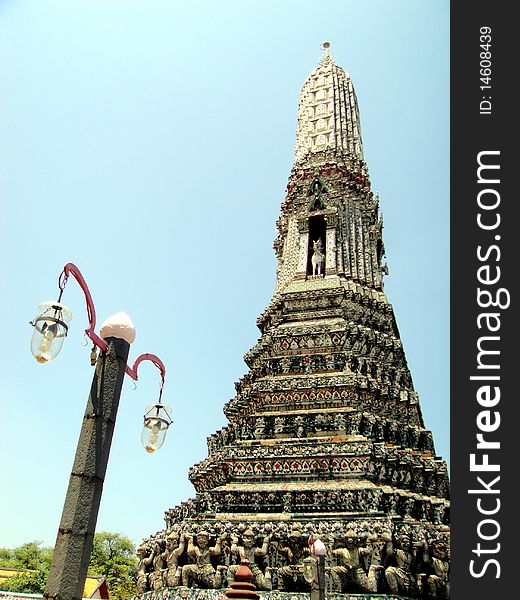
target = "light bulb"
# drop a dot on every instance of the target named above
(150, 436)
(154, 433)
(48, 336)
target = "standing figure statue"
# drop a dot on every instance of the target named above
(437, 558)
(379, 543)
(318, 257)
(202, 572)
(155, 578)
(398, 576)
(143, 567)
(248, 551)
(350, 566)
(175, 544)
(290, 576)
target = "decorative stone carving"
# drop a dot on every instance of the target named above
(350, 569)
(144, 566)
(290, 576)
(156, 577)
(175, 545)
(201, 572)
(398, 575)
(325, 433)
(248, 551)
(318, 257)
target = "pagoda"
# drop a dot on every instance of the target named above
(325, 437)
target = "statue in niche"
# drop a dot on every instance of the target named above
(259, 427)
(367, 424)
(248, 431)
(350, 569)
(300, 429)
(408, 507)
(201, 573)
(175, 544)
(279, 424)
(438, 514)
(318, 257)
(144, 567)
(248, 551)
(315, 192)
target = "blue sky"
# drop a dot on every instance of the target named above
(150, 142)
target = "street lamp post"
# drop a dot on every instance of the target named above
(78, 521)
(314, 568)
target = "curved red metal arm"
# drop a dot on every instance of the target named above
(71, 268)
(156, 361)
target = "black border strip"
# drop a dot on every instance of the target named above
(477, 128)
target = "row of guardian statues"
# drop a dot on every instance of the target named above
(407, 561)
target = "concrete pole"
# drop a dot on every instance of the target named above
(78, 520)
(321, 577)
(318, 583)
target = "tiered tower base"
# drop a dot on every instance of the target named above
(182, 593)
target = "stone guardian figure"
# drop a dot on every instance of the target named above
(143, 568)
(350, 567)
(175, 544)
(202, 572)
(248, 551)
(398, 576)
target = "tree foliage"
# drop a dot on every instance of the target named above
(113, 556)
(30, 582)
(33, 560)
(27, 556)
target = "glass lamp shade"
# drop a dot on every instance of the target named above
(156, 422)
(50, 329)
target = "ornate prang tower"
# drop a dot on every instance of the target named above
(325, 433)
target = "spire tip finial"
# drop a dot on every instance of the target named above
(325, 57)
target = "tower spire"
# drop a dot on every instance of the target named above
(328, 114)
(329, 202)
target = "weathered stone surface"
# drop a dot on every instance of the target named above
(196, 594)
(325, 433)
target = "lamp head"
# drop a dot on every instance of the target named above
(50, 329)
(157, 419)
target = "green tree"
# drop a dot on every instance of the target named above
(30, 582)
(30, 557)
(113, 555)
(27, 556)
